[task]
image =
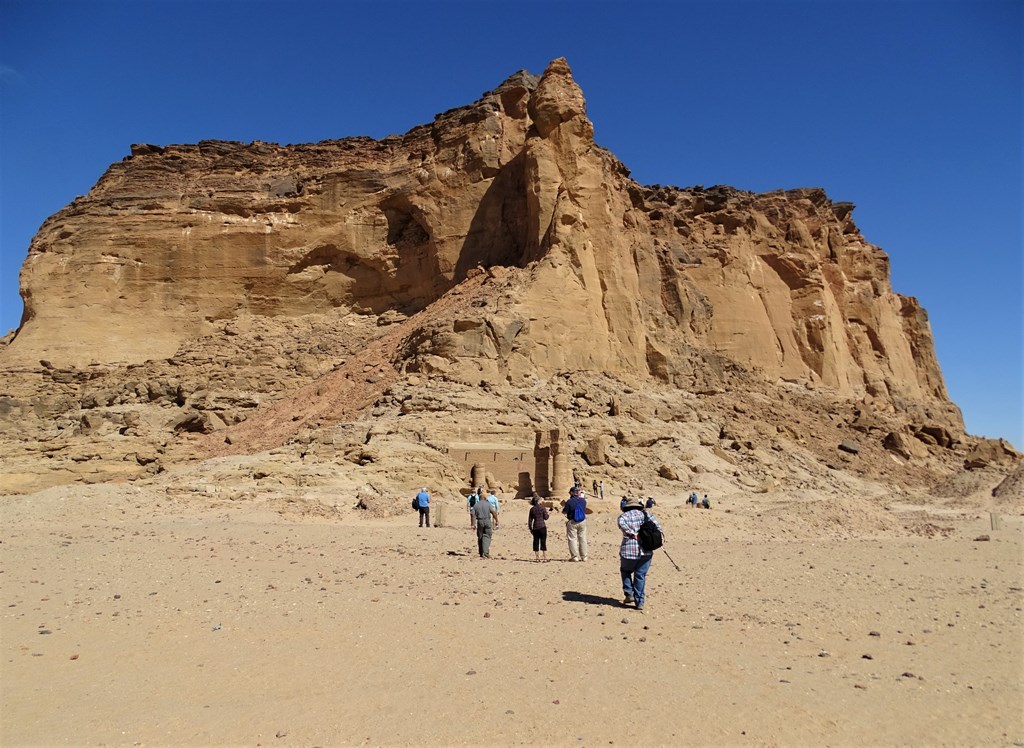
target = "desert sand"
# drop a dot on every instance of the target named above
(137, 615)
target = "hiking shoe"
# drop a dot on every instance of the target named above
(639, 608)
(628, 600)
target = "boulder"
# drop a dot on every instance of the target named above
(668, 472)
(904, 446)
(596, 452)
(991, 452)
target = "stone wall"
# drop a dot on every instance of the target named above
(517, 470)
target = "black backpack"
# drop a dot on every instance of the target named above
(649, 536)
(473, 498)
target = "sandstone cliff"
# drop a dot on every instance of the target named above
(497, 258)
(172, 239)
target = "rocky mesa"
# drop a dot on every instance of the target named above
(359, 315)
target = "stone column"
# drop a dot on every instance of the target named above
(478, 476)
(561, 478)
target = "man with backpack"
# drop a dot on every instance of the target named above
(641, 536)
(575, 511)
(474, 496)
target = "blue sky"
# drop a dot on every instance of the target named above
(911, 109)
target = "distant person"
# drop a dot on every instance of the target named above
(575, 511)
(705, 503)
(537, 523)
(593, 486)
(650, 502)
(474, 496)
(634, 561)
(492, 499)
(622, 504)
(692, 501)
(600, 490)
(423, 501)
(485, 515)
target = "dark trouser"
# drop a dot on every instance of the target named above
(483, 538)
(425, 513)
(540, 539)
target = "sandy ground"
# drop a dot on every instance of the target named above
(131, 618)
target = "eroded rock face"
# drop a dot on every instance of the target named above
(498, 246)
(174, 238)
(622, 278)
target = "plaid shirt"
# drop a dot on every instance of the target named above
(629, 523)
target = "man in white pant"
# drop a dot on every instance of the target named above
(575, 511)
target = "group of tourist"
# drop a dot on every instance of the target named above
(694, 502)
(634, 560)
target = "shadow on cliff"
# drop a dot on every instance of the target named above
(497, 234)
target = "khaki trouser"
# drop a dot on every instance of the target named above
(576, 533)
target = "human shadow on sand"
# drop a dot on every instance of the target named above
(570, 596)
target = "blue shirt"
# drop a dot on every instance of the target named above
(493, 501)
(629, 523)
(424, 498)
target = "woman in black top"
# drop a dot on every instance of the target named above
(537, 523)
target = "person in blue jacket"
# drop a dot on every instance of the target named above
(492, 499)
(423, 501)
